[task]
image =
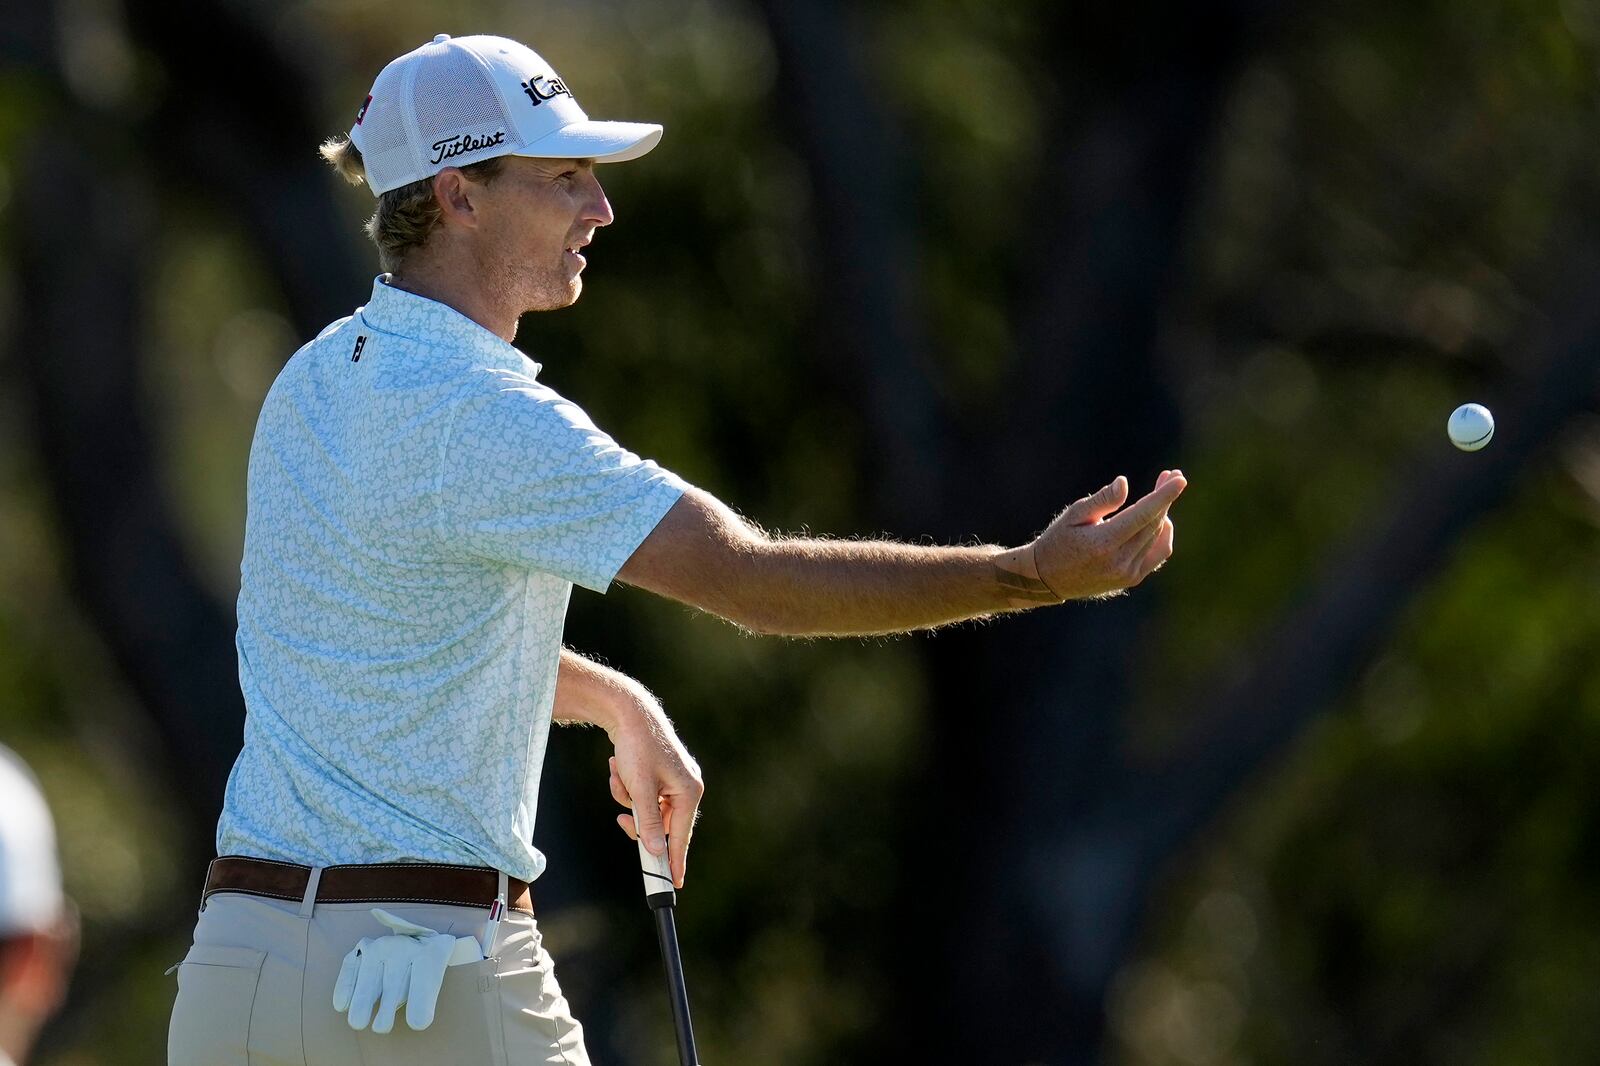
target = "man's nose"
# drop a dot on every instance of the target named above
(599, 208)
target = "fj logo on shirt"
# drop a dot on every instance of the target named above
(541, 89)
(361, 342)
(465, 142)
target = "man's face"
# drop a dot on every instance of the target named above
(34, 969)
(538, 215)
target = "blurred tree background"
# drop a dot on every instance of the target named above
(1320, 792)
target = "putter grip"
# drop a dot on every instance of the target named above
(657, 871)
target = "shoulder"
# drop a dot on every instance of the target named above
(506, 413)
(510, 398)
(297, 363)
(330, 336)
(332, 327)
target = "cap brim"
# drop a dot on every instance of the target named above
(603, 142)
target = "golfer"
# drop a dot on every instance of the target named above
(38, 928)
(420, 505)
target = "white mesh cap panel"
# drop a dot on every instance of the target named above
(457, 108)
(385, 145)
(384, 134)
(383, 130)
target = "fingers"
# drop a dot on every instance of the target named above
(1091, 509)
(649, 827)
(1132, 551)
(1135, 547)
(681, 813)
(1159, 551)
(663, 788)
(1152, 551)
(619, 791)
(677, 823)
(1150, 510)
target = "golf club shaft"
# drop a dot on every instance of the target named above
(667, 933)
(662, 897)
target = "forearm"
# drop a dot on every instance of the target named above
(592, 694)
(705, 555)
(807, 587)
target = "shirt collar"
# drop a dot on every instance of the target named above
(405, 314)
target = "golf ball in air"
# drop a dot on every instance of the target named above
(1471, 426)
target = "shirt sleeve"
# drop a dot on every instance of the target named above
(527, 478)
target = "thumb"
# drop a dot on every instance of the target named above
(647, 820)
(1092, 509)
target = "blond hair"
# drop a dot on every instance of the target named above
(405, 216)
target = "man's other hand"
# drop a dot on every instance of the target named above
(1096, 547)
(651, 762)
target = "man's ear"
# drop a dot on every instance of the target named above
(455, 194)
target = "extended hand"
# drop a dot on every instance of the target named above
(651, 763)
(1096, 548)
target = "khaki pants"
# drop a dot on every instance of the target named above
(256, 989)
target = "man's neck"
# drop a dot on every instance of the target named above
(458, 291)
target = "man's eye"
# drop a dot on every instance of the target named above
(567, 175)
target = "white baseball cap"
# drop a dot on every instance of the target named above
(461, 100)
(30, 874)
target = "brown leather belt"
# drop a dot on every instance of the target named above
(394, 882)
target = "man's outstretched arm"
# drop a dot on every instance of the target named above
(705, 555)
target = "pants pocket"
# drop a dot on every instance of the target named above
(216, 996)
(465, 1029)
(538, 1025)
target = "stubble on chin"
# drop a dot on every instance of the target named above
(537, 291)
(548, 291)
(571, 292)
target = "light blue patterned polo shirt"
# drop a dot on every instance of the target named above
(419, 509)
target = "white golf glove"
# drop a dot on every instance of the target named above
(407, 968)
